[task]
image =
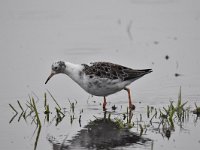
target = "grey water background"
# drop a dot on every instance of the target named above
(135, 33)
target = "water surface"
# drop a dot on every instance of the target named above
(137, 34)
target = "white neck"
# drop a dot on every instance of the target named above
(73, 71)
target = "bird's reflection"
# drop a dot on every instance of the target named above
(102, 133)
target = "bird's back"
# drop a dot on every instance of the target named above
(113, 71)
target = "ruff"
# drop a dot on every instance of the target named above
(100, 78)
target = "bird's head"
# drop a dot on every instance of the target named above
(57, 67)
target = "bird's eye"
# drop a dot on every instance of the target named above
(56, 68)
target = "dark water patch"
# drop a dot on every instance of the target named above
(167, 57)
(177, 74)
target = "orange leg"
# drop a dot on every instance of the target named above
(131, 106)
(104, 103)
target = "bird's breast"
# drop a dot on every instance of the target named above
(101, 86)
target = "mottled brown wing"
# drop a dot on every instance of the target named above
(113, 71)
(135, 74)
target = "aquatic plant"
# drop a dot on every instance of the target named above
(29, 109)
(196, 110)
(169, 115)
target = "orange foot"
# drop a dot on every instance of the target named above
(132, 107)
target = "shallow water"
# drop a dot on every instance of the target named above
(137, 34)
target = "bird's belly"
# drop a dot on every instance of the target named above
(103, 87)
(102, 91)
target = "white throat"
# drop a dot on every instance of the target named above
(73, 71)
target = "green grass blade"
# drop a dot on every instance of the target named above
(20, 106)
(54, 99)
(13, 108)
(13, 118)
(45, 99)
(179, 98)
(36, 113)
(37, 138)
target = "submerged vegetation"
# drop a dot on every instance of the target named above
(167, 117)
(197, 110)
(30, 110)
(163, 120)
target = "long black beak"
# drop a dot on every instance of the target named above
(51, 75)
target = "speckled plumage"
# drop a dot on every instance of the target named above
(113, 71)
(99, 78)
